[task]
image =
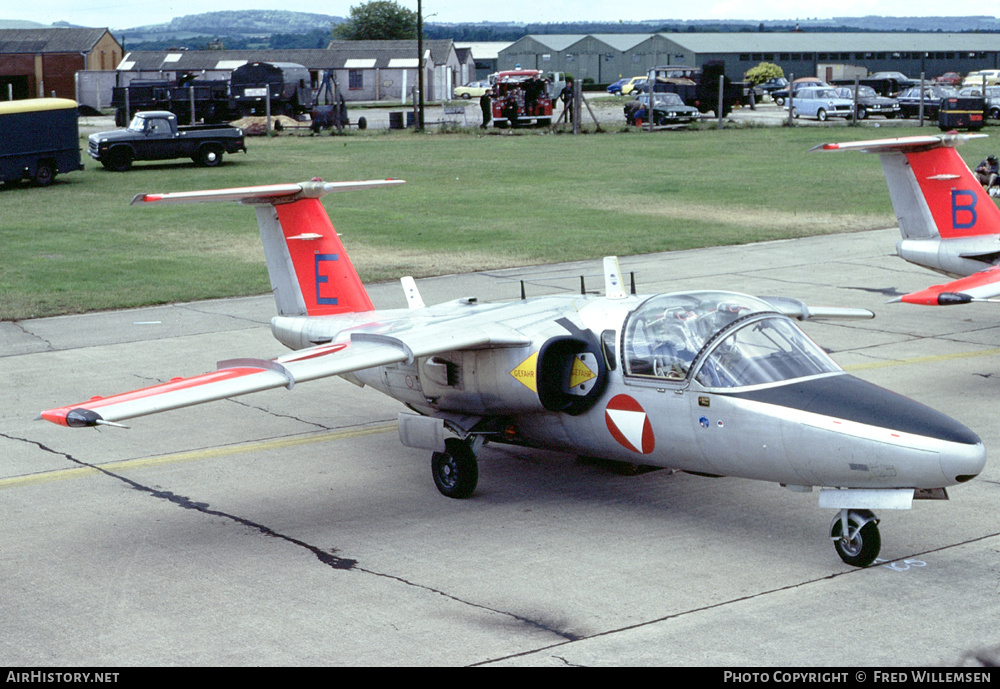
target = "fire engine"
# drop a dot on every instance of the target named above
(521, 97)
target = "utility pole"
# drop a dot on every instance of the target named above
(420, 65)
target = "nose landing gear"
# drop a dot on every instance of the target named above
(856, 537)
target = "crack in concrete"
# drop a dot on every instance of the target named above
(327, 557)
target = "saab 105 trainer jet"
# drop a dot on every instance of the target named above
(710, 382)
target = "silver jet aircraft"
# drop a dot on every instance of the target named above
(709, 382)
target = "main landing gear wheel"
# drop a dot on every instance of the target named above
(861, 544)
(455, 470)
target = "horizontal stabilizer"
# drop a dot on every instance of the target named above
(900, 145)
(265, 194)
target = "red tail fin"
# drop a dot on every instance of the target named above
(934, 194)
(958, 203)
(326, 277)
(309, 269)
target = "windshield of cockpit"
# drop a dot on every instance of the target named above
(666, 334)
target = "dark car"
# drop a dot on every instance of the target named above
(909, 100)
(773, 84)
(668, 108)
(780, 95)
(870, 103)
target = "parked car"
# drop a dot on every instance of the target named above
(899, 80)
(475, 89)
(949, 79)
(632, 83)
(972, 79)
(820, 102)
(781, 95)
(992, 99)
(773, 84)
(870, 103)
(668, 108)
(909, 100)
(615, 89)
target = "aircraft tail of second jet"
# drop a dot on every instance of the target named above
(934, 194)
(309, 269)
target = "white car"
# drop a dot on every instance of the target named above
(476, 89)
(974, 79)
(821, 103)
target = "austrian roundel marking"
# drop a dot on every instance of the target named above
(629, 425)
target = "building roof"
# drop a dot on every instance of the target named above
(785, 42)
(49, 40)
(339, 55)
(811, 42)
(484, 50)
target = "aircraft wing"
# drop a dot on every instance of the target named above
(242, 376)
(981, 286)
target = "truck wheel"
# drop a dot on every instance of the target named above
(210, 155)
(362, 123)
(118, 160)
(44, 174)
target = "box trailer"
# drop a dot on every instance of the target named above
(39, 138)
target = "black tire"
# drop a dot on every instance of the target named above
(466, 96)
(118, 160)
(210, 155)
(455, 471)
(995, 113)
(863, 548)
(821, 115)
(362, 123)
(779, 101)
(45, 172)
(795, 113)
(862, 113)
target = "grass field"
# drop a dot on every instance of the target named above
(471, 202)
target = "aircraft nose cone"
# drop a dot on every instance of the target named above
(963, 462)
(958, 453)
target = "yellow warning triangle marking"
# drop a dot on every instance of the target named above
(580, 373)
(525, 372)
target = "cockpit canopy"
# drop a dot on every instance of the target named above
(720, 339)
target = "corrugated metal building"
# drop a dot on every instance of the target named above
(364, 70)
(43, 62)
(607, 57)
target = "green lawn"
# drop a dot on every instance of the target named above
(471, 201)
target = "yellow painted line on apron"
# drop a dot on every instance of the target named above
(923, 360)
(211, 453)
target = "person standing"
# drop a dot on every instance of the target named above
(486, 105)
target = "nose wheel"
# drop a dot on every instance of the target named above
(856, 537)
(455, 470)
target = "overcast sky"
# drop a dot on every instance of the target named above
(123, 14)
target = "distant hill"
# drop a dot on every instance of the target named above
(245, 23)
(19, 24)
(289, 29)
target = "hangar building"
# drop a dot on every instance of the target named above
(608, 57)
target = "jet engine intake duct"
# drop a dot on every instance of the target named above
(571, 373)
